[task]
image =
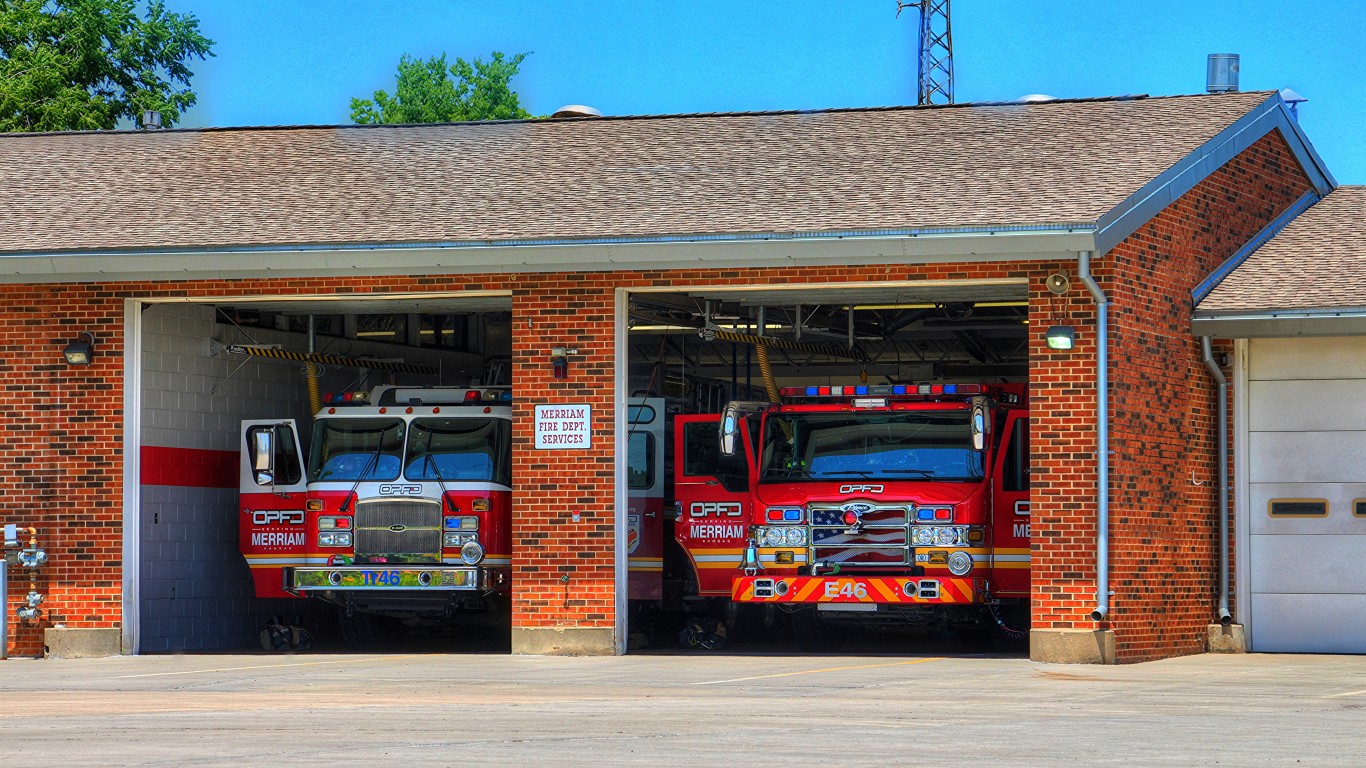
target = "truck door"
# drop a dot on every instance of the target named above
(713, 494)
(272, 526)
(1010, 512)
(645, 462)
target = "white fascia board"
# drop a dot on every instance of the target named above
(1059, 244)
(1348, 321)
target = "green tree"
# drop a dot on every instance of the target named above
(429, 91)
(85, 64)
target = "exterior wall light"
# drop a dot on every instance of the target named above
(1060, 337)
(559, 361)
(80, 352)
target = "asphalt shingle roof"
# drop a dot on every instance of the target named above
(1317, 262)
(866, 169)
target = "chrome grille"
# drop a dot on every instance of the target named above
(882, 538)
(400, 530)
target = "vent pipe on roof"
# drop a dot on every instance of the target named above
(576, 110)
(151, 120)
(1221, 73)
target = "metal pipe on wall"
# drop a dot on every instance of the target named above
(4, 608)
(1225, 617)
(1102, 436)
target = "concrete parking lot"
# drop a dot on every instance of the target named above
(704, 709)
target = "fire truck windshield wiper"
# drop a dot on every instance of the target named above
(880, 473)
(370, 467)
(428, 461)
(786, 472)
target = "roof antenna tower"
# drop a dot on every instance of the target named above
(934, 67)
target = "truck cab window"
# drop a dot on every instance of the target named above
(640, 460)
(1015, 463)
(286, 462)
(457, 449)
(356, 449)
(702, 456)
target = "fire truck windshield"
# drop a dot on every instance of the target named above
(868, 445)
(356, 449)
(460, 450)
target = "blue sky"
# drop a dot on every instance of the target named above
(297, 62)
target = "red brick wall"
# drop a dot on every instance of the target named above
(61, 437)
(1164, 495)
(63, 426)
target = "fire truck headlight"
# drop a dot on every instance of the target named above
(924, 536)
(945, 536)
(794, 537)
(334, 539)
(960, 563)
(471, 553)
(773, 537)
(454, 540)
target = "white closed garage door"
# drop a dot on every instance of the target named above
(1305, 514)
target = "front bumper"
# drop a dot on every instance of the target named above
(368, 578)
(912, 590)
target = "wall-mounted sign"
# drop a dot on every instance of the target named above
(564, 426)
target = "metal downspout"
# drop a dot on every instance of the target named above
(1225, 617)
(1102, 436)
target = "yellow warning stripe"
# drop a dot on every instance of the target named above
(797, 346)
(316, 357)
(857, 589)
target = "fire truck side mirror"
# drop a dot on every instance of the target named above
(979, 424)
(730, 422)
(263, 462)
(730, 428)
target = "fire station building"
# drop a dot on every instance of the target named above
(576, 260)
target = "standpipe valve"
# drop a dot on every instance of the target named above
(31, 558)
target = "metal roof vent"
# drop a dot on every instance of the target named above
(576, 110)
(1221, 75)
(151, 120)
(1293, 100)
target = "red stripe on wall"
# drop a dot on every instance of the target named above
(189, 467)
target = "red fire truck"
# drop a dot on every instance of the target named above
(401, 508)
(872, 505)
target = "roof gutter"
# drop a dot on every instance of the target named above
(1040, 242)
(1279, 323)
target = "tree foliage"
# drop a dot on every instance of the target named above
(430, 91)
(85, 64)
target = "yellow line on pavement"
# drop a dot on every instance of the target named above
(822, 671)
(277, 666)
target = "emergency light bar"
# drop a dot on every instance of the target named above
(883, 390)
(347, 398)
(425, 396)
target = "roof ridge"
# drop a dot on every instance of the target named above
(662, 116)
